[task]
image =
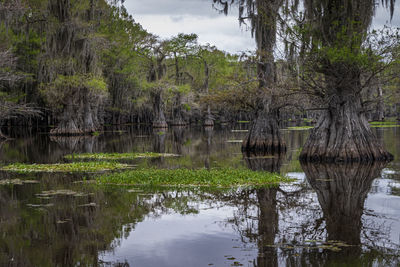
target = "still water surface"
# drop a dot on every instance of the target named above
(333, 215)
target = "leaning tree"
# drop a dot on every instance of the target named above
(339, 61)
(264, 133)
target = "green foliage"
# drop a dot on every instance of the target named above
(201, 177)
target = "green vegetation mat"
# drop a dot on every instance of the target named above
(299, 128)
(115, 156)
(383, 124)
(66, 167)
(201, 177)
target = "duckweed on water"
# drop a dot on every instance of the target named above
(116, 156)
(200, 177)
(94, 166)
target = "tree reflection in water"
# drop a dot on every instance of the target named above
(341, 191)
(268, 216)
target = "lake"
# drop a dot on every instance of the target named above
(332, 215)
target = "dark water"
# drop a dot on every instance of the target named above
(333, 215)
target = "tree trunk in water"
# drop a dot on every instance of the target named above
(342, 134)
(208, 120)
(177, 112)
(159, 118)
(2, 136)
(68, 124)
(380, 108)
(264, 135)
(88, 121)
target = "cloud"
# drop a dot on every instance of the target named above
(167, 18)
(382, 17)
(203, 8)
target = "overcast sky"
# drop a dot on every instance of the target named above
(166, 18)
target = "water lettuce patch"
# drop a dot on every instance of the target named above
(200, 177)
(117, 156)
(94, 166)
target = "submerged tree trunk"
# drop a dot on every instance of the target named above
(208, 119)
(68, 124)
(177, 112)
(264, 135)
(2, 136)
(380, 107)
(342, 134)
(159, 117)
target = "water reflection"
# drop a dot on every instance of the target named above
(342, 190)
(268, 216)
(293, 225)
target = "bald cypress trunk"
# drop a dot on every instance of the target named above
(2, 136)
(159, 117)
(342, 133)
(177, 111)
(68, 122)
(264, 135)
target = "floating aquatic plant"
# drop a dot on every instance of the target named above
(200, 177)
(117, 156)
(299, 128)
(94, 166)
(17, 182)
(384, 124)
(234, 141)
(239, 131)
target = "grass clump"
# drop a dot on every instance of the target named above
(186, 177)
(116, 156)
(65, 167)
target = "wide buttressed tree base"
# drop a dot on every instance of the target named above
(342, 134)
(343, 60)
(264, 135)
